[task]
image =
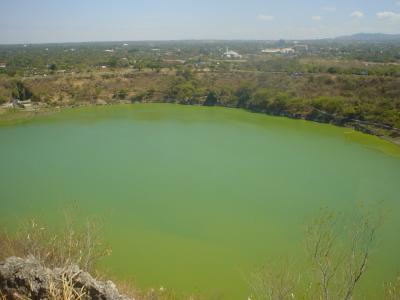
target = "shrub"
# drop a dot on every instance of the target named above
(121, 95)
(73, 244)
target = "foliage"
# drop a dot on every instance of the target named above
(328, 82)
(274, 281)
(338, 260)
(122, 95)
(74, 244)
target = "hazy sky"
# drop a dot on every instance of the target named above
(36, 21)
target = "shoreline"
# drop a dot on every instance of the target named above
(15, 116)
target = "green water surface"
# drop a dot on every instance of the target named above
(192, 197)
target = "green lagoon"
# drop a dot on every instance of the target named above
(192, 197)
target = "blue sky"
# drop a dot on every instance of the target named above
(38, 21)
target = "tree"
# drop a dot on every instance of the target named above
(243, 95)
(21, 92)
(338, 260)
(53, 67)
(280, 102)
(332, 70)
(186, 73)
(274, 281)
(212, 98)
(113, 62)
(261, 98)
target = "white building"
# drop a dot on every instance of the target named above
(287, 50)
(232, 54)
(271, 51)
(279, 50)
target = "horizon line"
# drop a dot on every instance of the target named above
(188, 40)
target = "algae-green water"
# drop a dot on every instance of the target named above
(193, 197)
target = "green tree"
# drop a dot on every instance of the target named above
(22, 92)
(53, 67)
(212, 98)
(244, 95)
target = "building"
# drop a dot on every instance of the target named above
(3, 65)
(287, 50)
(232, 54)
(279, 50)
(271, 51)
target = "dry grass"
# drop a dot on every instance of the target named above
(392, 290)
(275, 280)
(67, 291)
(2, 297)
(73, 244)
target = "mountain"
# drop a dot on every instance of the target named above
(370, 37)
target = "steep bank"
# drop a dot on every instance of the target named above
(367, 103)
(386, 132)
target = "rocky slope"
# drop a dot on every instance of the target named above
(27, 278)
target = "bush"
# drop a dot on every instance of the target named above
(121, 95)
(337, 261)
(243, 95)
(73, 244)
(212, 98)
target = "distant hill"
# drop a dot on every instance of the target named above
(370, 37)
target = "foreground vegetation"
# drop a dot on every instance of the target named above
(338, 259)
(338, 251)
(347, 84)
(343, 83)
(73, 244)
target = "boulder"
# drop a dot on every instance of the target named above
(27, 277)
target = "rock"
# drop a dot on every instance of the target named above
(29, 278)
(101, 102)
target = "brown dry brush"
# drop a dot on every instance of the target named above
(392, 290)
(275, 280)
(68, 291)
(338, 260)
(77, 244)
(74, 243)
(340, 256)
